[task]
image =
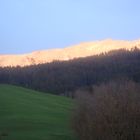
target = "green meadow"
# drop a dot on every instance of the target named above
(30, 115)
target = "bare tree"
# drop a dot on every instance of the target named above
(110, 112)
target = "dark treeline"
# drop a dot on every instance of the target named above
(62, 77)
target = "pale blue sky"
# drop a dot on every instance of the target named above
(28, 25)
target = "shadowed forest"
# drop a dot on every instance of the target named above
(64, 77)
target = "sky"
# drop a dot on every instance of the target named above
(29, 25)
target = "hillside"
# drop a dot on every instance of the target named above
(64, 77)
(76, 51)
(30, 115)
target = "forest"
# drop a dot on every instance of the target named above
(64, 77)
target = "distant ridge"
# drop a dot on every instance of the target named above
(76, 51)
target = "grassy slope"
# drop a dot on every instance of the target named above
(30, 115)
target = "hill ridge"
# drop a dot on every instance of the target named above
(83, 49)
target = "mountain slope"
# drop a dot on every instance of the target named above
(30, 115)
(81, 50)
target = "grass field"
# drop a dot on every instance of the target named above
(29, 115)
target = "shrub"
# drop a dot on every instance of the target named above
(108, 112)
